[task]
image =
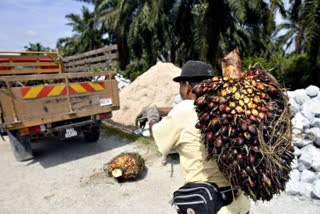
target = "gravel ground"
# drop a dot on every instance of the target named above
(68, 177)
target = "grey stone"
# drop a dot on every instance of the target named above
(301, 142)
(308, 176)
(314, 134)
(310, 109)
(316, 189)
(295, 107)
(302, 167)
(295, 188)
(300, 122)
(294, 164)
(297, 151)
(308, 187)
(316, 164)
(316, 122)
(306, 160)
(312, 91)
(295, 175)
(301, 96)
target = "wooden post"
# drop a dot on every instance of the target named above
(15, 118)
(68, 96)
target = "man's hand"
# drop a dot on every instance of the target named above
(148, 114)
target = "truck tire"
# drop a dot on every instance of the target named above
(91, 133)
(20, 145)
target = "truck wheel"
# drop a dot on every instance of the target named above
(91, 133)
(20, 145)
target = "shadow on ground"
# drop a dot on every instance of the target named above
(50, 151)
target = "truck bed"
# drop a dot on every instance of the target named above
(27, 106)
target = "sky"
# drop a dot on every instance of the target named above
(24, 21)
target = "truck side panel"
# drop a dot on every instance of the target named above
(39, 110)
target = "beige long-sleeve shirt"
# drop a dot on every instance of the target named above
(178, 130)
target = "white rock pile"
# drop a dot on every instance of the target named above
(305, 177)
(122, 82)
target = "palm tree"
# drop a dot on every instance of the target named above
(37, 47)
(87, 35)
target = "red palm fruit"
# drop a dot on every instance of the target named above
(256, 99)
(214, 86)
(239, 141)
(270, 107)
(252, 118)
(233, 132)
(249, 91)
(209, 137)
(260, 86)
(239, 109)
(254, 112)
(263, 108)
(201, 101)
(215, 79)
(240, 157)
(234, 152)
(198, 125)
(253, 82)
(252, 159)
(233, 112)
(226, 85)
(223, 116)
(247, 135)
(225, 130)
(244, 126)
(243, 173)
(216, 99)
(232, 104)
(270, 115)
(204, 117)
(197, 90)
(249, 169)
(255, 141)
(223, 92)
(252, 129)
(261, 115)
(215, 122)
(225, 121)
(218, 142)
(222, 108)
(205, 89)
(211, 105)
(250, 72)
(228, 109)
(248, 121)
(255, 148)
(226, 78)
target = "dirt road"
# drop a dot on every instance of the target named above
(68, 177)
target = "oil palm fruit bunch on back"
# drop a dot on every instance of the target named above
(245, 124)
(126, 166)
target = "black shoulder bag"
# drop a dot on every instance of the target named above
(201, 198)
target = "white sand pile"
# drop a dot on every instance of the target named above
(153, 87)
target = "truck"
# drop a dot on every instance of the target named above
(43, 94)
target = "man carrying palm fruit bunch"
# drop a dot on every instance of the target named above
(178, 130)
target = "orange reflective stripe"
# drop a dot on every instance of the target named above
(56, 90)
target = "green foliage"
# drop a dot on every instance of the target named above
(293, 71)
(38, 47)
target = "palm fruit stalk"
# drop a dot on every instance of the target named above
(126, 166)
(245, 124)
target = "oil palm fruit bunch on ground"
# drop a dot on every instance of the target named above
(245, 124)
(126, 166)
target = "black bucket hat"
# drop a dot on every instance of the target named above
(195, 70)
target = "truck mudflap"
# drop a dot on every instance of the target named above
(20, 145)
